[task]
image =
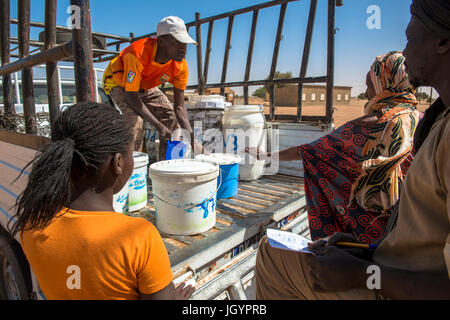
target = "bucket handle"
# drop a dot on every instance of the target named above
(191, 206)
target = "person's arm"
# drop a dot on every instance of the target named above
(181, 292)
(401, 284)
(134, 100)
(180, 110)
(333, 269)
(289, 154)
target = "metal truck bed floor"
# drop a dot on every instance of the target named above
(239, 219)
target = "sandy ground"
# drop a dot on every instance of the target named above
(341, 115)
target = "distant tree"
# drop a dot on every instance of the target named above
(280, 75)
(362, 96)
(260, 92)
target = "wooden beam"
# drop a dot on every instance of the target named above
(330, 61)
(250, 54)
(29, 108)
(306, 53)
(208, 52)
(198, 33)
(5, 42)
(82, 53)
(276, 51)
(52, 66)
(227, 54)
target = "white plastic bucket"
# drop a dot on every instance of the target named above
(151, 140)
(243, 126)
(205, 102)
(184, 192)
(137, 185)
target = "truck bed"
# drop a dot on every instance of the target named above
(221, 260)
(240, 222)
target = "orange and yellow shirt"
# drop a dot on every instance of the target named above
(97, 255)
(135, 69)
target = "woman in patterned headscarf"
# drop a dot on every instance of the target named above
(353, 176)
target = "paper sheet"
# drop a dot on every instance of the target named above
(288, 241)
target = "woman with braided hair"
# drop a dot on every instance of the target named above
(77, 246)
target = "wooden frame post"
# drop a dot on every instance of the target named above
(29, 108)
(82, 50)
(5, 43)
(51, 67)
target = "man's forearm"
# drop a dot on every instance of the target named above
(398, 284)
(401, 284)
(180, 110)
(182, 117)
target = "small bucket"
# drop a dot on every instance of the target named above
(227, 181)
(120, 200)
(175, 150)
(184, 192)
(137, 185)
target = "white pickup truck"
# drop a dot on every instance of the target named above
(221, 261)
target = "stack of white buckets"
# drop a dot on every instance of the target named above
(184, 190)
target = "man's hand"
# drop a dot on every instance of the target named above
(334, 269)
(332, 240)
(165, 133)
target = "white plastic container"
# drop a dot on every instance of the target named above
(137, 185)
(244, 126)
(206, 102)
(184, 192)
(120, 200)
(151, 140)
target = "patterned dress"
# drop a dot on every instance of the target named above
(353, 176)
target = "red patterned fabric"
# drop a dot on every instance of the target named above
(330, 169)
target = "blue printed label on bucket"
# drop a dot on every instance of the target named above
(208, 206)
(137, 181)
(137, 184)
(122, 203)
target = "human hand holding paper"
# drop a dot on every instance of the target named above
(288, 241)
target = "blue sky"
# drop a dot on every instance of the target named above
(356, 45)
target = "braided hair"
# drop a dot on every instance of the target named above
(83, 137)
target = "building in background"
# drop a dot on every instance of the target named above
(312, 95)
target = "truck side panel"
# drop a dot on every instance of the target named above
(13, 158)
(295, 134)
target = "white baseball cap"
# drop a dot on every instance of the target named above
(174, 26)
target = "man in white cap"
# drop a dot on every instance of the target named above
(132, 79)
